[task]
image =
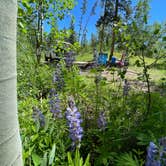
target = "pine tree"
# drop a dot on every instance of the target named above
(72, 37)
(114, 12)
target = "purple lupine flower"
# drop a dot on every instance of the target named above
(55, 104)
(74, 121)
(152, 155)
(102, 122)
(157, 155)
(58, 78)
(38, 116)
(69, 58)
(162, 143)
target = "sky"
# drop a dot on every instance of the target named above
(157, 13)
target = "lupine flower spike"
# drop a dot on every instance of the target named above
(58, 78)
(152, 155)
(38, 116)
(156, 155)
(55, 104)
(69, 58)
(162, 142)
(74, 121)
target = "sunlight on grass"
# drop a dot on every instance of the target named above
(155, 74)
(85, 56)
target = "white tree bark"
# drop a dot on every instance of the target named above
(10, 144)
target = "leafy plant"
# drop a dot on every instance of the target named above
(78, 160)
(127, 159)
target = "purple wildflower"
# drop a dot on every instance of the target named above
(38, 116)
(156, 155)
(162, 143)
(55, 104)
(152, 155)
(102, 123)
(58, 78)
(74, 121)
(69, 58)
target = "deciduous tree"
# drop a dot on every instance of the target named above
(10, 144)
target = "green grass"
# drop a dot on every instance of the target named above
(148, 60)
(155, 73)
(85, 56)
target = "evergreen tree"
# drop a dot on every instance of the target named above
(72, 37)
(115, 11)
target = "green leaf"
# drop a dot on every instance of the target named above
(36, 159)
(20, 25)
(81, 162)
(70, 161)
(137, 63)
(44, 160)
(164, 38)
(26, 4)
(87, 163)
(145, 19)
(20, 11)
(77, 157)
(46, 124)
(34, 137)
(52, 155)
(145, 138)
(134, 26)
(156, 31)
(127, 159)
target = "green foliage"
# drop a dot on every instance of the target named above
(128, 159)
(36, 159)
(52, 155)
(72, 38)
(51, 10)
(123, 133)
(77, 161)
(164, 38)
(34, 80)
(32, 15)
(127, 127)
(44, 145)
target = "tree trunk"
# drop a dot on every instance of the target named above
(112, 44)
(145, 71)
(113, 31)
(101, 38)
(39, 34)
(10, 143)
(102, 31)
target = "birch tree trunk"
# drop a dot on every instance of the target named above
(10, 144)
